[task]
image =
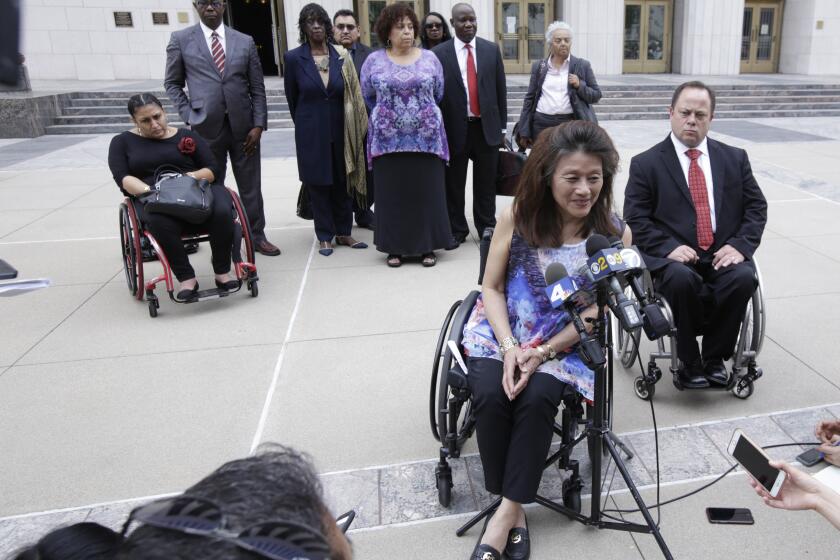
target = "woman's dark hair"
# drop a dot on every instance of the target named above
(141, 100)
(535, 213)
(81, 541)
(316, 12)
(424, 39)
(388, 18)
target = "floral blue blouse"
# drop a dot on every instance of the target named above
(403, 100)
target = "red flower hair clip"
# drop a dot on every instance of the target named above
(186, 146)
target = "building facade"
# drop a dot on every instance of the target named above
(126, 39)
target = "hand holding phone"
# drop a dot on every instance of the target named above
(753, 459)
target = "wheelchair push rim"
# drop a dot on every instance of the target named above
(130, 237)
(439, 369)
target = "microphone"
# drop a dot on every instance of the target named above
(607, 265)
(655, 324)
(562, 291)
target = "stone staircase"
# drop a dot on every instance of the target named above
(105, 112)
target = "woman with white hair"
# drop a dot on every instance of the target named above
(562, 88)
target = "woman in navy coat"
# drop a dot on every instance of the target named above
(315, 92)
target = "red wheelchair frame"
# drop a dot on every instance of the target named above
(135, 252)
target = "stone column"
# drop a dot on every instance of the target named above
(598, 33)
(808, 47)
(707, 37)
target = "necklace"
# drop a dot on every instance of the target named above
(323, 64)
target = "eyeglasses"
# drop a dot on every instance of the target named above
(345, 26)
(278, 539)
(434, 25)
(204, 3)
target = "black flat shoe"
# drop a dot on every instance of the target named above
(716, 372)
(485, 552)
(518, 545)
(228, 286)
(187, 295)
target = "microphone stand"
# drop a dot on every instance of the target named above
(598, 434)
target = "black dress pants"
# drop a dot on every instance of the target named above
(332, 207)
(708, 302)
(246, 169)
(485, 163)
(513, 436)
(168, 231)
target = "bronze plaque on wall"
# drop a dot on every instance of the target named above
(123, 19)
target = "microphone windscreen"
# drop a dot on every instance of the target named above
(615, 242)
(554, 273)
(595, 243)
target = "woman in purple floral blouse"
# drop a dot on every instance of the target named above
(407, 149)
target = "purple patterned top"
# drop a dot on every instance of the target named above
(403, 101)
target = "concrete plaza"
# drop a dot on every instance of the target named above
(102, 407)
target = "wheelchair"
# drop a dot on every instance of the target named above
(138, 246)
(744, 372)
(450, 407)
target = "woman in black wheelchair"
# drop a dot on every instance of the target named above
(134, 158)
(522, 355)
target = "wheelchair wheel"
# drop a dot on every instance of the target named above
(255, 289)
(439, 370)
(244, 250)
(444, 487)
(743, 389)
(643, 389)
(130, 238)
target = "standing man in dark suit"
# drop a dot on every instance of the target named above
(226, 103)
(474, 111)
(697, 213)
(346, 33)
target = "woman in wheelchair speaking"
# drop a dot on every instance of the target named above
(134, 158)
(522, 356)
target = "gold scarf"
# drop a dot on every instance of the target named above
(355, 128)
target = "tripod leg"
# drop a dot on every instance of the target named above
(636, 496)
(478, 517)
(621, 445)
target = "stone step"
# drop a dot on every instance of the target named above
(170, 110)
(116, 119)
(94, 128)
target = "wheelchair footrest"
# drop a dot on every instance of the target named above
(212, 293)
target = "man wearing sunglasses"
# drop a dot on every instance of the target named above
(226, 104)
(269, 504)
(346, 33)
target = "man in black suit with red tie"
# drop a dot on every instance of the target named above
(474, 111)
(697, 214)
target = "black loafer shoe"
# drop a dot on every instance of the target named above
(485, 552)
(716, 372)
(518, 545)
(227, 286)
(187, 295)
(692, 376)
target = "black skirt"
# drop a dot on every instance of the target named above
(411, 217)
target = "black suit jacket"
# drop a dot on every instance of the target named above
(587, 94)
(360, 54)
(660, 212)
(492, 94)
(318, 112)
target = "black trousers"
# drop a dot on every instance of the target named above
(168, 231)
(246, 169)
(706, 302)
(513, 436)
(332, 207)
(363, 214)
(485, 162)
(543, 121)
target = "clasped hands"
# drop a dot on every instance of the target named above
(723, 257)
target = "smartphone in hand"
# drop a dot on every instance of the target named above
(756, 462)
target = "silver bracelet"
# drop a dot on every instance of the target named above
(508, 342)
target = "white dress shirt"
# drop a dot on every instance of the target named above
(220, 31)
(705, 166)
(554, 99)
(461, 53)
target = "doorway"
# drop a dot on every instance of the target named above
(520, 29)
(647, 36)
(369, 10)
(760, 37)
(255, 18)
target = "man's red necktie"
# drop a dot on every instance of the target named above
(472, 83)
(218, 52)
(700, 196)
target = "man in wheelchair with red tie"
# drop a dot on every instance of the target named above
(697, 214)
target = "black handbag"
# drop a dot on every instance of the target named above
(180, 196)
(509, 169)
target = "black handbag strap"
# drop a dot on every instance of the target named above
(166, 168)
